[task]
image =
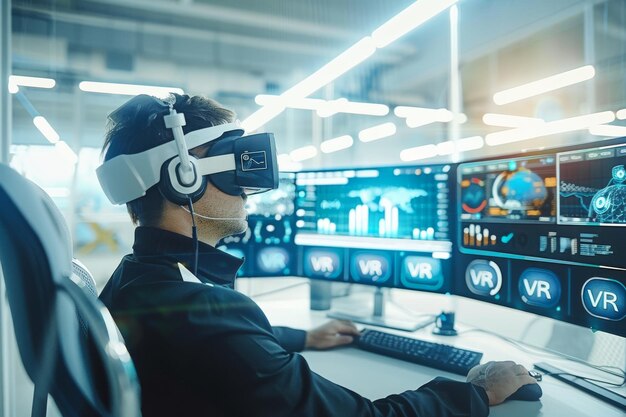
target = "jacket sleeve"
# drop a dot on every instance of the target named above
(292, 340)
(278, 383)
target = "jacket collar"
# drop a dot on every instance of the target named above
(157, 245)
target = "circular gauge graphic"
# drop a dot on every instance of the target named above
(519, 190)
(474, 198)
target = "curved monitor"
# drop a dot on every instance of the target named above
(387, 226)
(544, 233)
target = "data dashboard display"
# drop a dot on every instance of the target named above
(545, 234)
(592, 188)
(267, 245)
(521, 189)
(384, 208)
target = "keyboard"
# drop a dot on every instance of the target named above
(435, 355)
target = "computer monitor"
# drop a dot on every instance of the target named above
(387, 226)
(543, 233)
(267, 245)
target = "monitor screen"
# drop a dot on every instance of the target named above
(267, 245)
(543, 234)
(385, 226)
(403, 208)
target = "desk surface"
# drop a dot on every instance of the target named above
(375, 376)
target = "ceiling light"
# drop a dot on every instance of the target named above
(286, 164)
(344, 62)
(550, 128)
(461, 145)
(44, 127)
(293, 103)
(336, 144)
(544, 85)
(37, 82)
(67, 152)
(408, 19)
(507, 120)
(127, 89)
(608, 130)
(419, 152)
(377, 132)
(304, 153)
(621, 114)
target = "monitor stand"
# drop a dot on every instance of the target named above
(378, 318)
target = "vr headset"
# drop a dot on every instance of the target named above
(235, 164)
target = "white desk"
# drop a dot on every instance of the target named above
(375, 376)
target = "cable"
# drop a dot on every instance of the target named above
(525, 347)
(613, 384)
(194, 236)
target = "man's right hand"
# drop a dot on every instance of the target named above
(499, 379)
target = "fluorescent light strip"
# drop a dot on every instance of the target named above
(13, 88)
(545, 85)
(621, 114)
(303, 153)
(405, 21)
(127, 89)
(608, 130)
(550, 128)
(462, 145)
(324, 108)
(344, 62)
(377, 132)
(336, 144)
(286, 164)
(44, 127)
(508, 120)
(419, 152)
(293, 103)
(322, 181)
(421, 116)
(408, 19)
(67, 152)
(37, 82)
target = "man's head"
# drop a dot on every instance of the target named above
(139, 126)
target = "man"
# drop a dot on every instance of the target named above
(200, 347)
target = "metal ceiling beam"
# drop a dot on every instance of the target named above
(176, 31)
(232, 15)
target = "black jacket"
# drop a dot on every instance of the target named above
(203, 349)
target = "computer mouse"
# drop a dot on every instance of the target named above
(528, 392)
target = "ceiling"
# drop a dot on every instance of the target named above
(234, 50)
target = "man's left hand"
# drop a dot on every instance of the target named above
(332, 334)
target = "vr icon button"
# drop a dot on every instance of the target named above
(604, 298)
(483, 277)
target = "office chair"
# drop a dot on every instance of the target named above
(85, 368)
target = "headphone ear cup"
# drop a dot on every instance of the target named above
(173, 190)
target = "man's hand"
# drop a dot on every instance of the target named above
(499, 379)
(332, 334)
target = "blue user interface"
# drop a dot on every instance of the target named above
(385, 226)
(267, 245)
(542, 233)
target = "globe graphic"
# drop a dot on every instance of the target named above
(608, 204)
(519, 190)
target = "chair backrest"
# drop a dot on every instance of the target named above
(47, 303)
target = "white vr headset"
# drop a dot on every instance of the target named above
(235, 164)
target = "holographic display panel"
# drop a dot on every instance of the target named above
(521, 189)
(267, 244)
(383, 208)
(544, 234)
(591, 186)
